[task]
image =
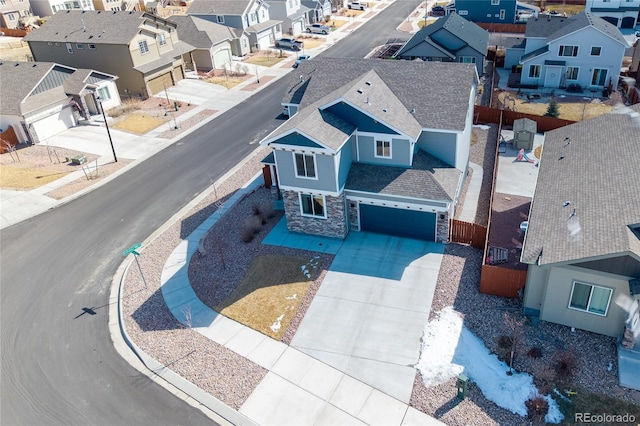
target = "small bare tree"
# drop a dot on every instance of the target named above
(188, 321)
(11, 149)
(515, 333)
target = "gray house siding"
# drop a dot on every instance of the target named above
(363, 122)
(345, 158)
(400, 152)
(484, 11)
(445, 38)
(479, 57)
(440, 145)
(325, 172)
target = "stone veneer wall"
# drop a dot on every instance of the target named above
(335, 225)
(442, 227)
(353, 215)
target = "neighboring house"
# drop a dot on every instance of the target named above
(621, 13)
(143, 50)
(41, 99)
(583, 237)
(374, 145)
(582, 50)
(50, 7)
(248, 16)
(13, 13)
(449, 39)
(318, 10)
(213, 42)
(117, 5)
(490, 11)
(292, 13)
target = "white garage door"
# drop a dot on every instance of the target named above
(264, 41)
(54, 124)
(297, 27)
(221, 57)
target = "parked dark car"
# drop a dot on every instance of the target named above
(437, 11)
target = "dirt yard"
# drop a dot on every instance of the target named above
(139, 117)
(575, 108)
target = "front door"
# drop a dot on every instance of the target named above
(552, 76)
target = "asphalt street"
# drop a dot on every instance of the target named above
(58, 363)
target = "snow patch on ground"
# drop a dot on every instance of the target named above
(276, 325)
(449, 349)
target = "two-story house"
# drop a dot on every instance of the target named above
(292, 14)
(248, 16)
(374, 145)
(117, 5)
(621, 13)
(492, 11)
(318, 9)
(143, 50)
(50, 7)
(212, 42)
(41, 99)
(14, 12)
(449, 39)
(582, 50)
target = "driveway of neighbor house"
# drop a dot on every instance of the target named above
(368, 316)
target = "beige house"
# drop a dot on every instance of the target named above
(583, 236)
(13, 13)
(213, 42)
(143, 50)
(117, 5)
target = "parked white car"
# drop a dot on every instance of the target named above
(300, 59)
(356, 5)
(318, 29)
(290, 43)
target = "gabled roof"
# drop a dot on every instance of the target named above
(261, 26)
(94, 26)
(470, 33)
(82, 78)
(554, 27)
(437, 92)
(428, 178)
(219, 7)
(201, 33)
(597, 172)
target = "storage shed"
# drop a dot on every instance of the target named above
(524, 130)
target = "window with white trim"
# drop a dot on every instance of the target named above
(534, 71)
(92, 46)
(69, 48)
(495, 2)
(312, 205)
(568, 51)
(590, 298)
(383, 148)
(595, 50)
(220, 19)
(572, 73)
(162, 39)
(467, 59)
(599, 77)
(144, 48)
(79, 46)
(104, 94)
(305, 165)
(503, 14)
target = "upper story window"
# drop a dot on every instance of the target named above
(595, 50)
(92, 46)
(262, 13)
(383, 148)
(568, 51)
(11, 17)
(305, 165)
(79, 46)
(495, 2)
(467, 59)
(162, 39)
(3, 2)
(220, 19)
(534, 71)
(590, 298)
(144, 48)
(69, 47)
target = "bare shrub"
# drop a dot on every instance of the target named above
(537, 408)
(256, 210)
(247, 234)
(535, 352)
(566, 362)
(545, 377)
(254, 224)
(126, 107)
(268, 211)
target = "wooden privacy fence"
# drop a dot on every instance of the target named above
(13, 32)
(483, 114)
(467, 233)
(502, 282)
(8, 137)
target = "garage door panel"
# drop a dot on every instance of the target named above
(158, 84)
(398, 222)
(221, 57)
(54, 124)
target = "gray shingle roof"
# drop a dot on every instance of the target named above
(429, 178)
(92, 26)
(201, 33)
(262, 26)
(438, 92)
(599, 174)
(79, 80)
(554, 27)
(470, 33)
(218, 7)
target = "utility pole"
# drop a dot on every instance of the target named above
(106, 124)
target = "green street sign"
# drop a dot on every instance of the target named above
(132, 250)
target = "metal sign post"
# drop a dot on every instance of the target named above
(133, 250)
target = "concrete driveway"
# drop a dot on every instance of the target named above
(368, 316)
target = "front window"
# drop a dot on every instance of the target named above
(572, 73)
(568, 51)
(162, 39)
(534, 71)
(590, 298)
(143, 46)
(383, 149)
(595, 50)
(305, 165)
(104, 94)
(312, 205)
